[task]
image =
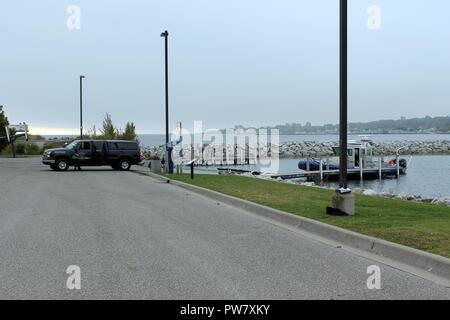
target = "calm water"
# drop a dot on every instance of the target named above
(427, 176)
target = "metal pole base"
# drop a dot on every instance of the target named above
(344, 202)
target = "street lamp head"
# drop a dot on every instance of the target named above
(164, 34)
(82, 77)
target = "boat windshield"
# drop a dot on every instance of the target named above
(337, 152)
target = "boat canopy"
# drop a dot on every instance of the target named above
(357, 152)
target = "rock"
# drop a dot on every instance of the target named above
(387, 194)
(369, 192)
(441, 201)
(402, 196)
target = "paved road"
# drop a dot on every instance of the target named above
(135, 237)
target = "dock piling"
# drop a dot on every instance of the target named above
(247, 154)
(224, 154)
(321, 170)
(361, 170)
(380, 172)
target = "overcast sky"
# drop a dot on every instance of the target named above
(250, 62)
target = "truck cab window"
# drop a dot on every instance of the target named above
(85, 145)
(73, 145)
(98, 145)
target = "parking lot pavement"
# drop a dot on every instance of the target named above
(138, 238)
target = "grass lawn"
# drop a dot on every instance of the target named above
(422, 226)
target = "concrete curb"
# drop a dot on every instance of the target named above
(428, 263)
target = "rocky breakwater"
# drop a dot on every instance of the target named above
(406, 147)
(303, 149)
(412, 147)
(155, 152)
(306, 149)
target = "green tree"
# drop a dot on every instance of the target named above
(129, 133)
(108, 130)
(3, 122)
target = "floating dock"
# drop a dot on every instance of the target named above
(321, 175)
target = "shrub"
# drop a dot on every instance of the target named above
(23, 148)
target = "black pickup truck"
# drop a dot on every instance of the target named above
(118, 154)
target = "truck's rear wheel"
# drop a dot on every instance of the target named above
(124, 164)
(62, 165)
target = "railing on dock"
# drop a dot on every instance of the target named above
(366, 168)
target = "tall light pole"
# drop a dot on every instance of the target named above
(343, 95)
(81, 107)
(343, 200)
(169, 166)
(165, 35)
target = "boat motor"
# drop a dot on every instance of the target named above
(402, 162)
